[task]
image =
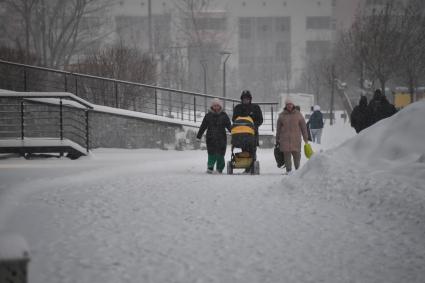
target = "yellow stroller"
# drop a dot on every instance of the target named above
(243, 137)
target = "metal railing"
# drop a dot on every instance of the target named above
(156, 100)
(45, 115)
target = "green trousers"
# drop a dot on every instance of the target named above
(213, 158)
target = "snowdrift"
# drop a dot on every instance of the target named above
(381, 170)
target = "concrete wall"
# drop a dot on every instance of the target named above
(111, 130)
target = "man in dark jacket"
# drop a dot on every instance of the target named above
(215, 123)
(315, 124)
(359, 116)
(247, 108)
(379, 108)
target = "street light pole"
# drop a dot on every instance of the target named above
(150, 27)
(204, 67)
(227, 53)
(332, 95)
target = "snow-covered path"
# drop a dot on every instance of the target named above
(155, 216)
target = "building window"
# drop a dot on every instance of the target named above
(264, 26)
(244, 3)
(318, 23)
(282, 24)
(211, 23)
(333, 3)
(282, 51)
(316, 49)
(284, 3)
(374, 2)
(244, 28)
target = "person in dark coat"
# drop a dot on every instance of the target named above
(359, 116)
(215, 123)
(247, 108)
(379, 108)
(315, 124)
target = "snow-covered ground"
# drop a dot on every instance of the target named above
(353, 213)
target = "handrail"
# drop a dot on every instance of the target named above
(74, 102)
(121, 94)
(71, 96)
(204, 95)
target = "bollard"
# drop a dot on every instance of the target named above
(14, 259)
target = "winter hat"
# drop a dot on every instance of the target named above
(289, 101)
(316, 108)
(378, 94)
(246, 94)
(216, 101)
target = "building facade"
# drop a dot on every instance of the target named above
(270, 41)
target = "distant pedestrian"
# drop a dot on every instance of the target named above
(316, 124)
(215, 123)
(359, 116)
(291, 127)
(379, 108)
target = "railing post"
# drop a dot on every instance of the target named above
(25, 80)
(76, 85)
(194, 109)
(206, 105)
(22, 120)
(182, 105)
(272, 118)
(65, 83)
(61, 118)
(87, 131)
(116, 94)
(156, 101)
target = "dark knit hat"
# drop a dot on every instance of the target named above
(246, 94)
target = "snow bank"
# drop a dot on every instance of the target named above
(380, 171)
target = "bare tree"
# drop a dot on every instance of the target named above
(54, 30)
(375, 40)
(204, 33)
(121, 63)
(412, 67)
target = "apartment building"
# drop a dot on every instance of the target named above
(270, 40)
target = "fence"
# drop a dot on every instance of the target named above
(156, 100)
(23, 115)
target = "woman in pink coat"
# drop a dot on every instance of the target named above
(290, 128)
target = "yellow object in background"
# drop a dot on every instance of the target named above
(402, 100)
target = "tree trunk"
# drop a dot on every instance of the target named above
(411, 91)
(382, 82)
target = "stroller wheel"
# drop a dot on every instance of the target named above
(229, 168)
(255, 169)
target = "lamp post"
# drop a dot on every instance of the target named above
(204, 67)
(333, 81)
(227, 54)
